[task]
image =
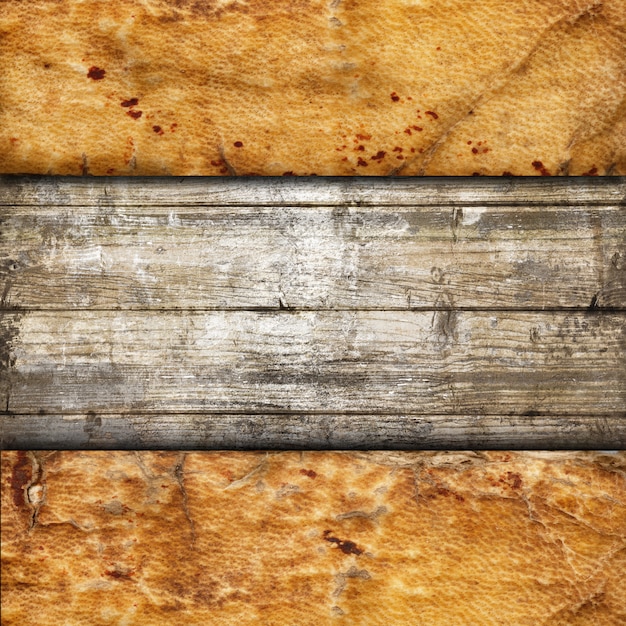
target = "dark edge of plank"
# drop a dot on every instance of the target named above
(311, 432)
(18, 190)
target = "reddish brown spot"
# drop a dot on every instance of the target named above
(592, 172)
(395, 97)
(347, 547)
(158, 130)
(172, 127)
(378, 156)
(408, 131)
(363, 137)
(476, 174)
(409, 98)
(412, 149)
(96, 73)
(217, 163)
(514, 479)
(397, 149)
(400, 157)
(290, 173)
(475, 150)
(238, 144)
(538, 165)
(119, 575)
(110, 170)
(344, 159)
(438, 47)
(360, 148)
(308, 472)
(224, 170)
(134, 114)
(13, 140)
(361, 162)
(20, 477)
(133, 102)
(417, 128)
(432, 114)
(469, 143)
(507, 174)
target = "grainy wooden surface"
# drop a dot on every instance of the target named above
(524, 257)
(313, 313)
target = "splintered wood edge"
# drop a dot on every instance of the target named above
(312, 432)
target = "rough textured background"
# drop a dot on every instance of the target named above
(313, 538)
(326, 87)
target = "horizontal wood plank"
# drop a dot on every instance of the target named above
(442, 362)
(326, 191)
(313, 432)
(164, 258)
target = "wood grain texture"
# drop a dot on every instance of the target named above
(378, 257)
(306, 431)
(294, 191)
(447, 362)
(303, 313)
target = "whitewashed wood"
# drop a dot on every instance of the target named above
(171, 257)
(313, 432)
(289, 191)
(442, 362)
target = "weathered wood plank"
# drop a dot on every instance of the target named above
(313, 257)
(442, 362)
(193, 191)
(312, 432)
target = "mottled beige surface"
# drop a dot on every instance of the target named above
(315, 538)
(326, 87)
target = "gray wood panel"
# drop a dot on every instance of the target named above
(442, 362)
(312, 313)
(379, 257)
(180, 431)
(293, 191)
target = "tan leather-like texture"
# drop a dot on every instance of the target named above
(313, 87)
(313, 538)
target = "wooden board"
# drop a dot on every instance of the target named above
(286, 313)
(349, 258)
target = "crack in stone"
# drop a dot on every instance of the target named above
(342, 579)
(501, 83)
(229, 166)
(35, 490)
(373, 516)
(179, 474)
(240, 482)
